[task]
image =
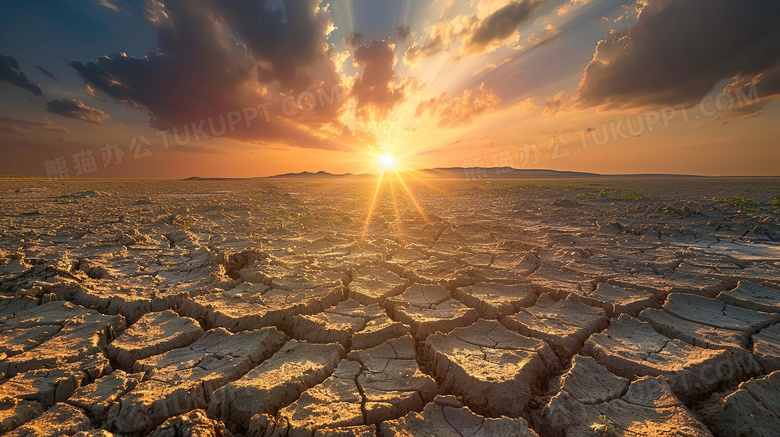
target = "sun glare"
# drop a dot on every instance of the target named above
(391, 176)
(388, 162)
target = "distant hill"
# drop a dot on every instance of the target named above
(486, 172)
(459, 173)
(309, 175)
(196, 178)
(498, 173)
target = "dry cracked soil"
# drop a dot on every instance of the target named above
(611, 307)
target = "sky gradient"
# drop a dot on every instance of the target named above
(243, 88)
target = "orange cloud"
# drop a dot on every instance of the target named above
(377, 89)
(460, 110)
(77, 109)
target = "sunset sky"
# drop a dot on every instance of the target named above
(98, 88)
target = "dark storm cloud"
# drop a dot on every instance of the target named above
(221, 56)
(76, 109)
(403, 33)
(47, 73)
(767, 82)
(286, 39)
(762, 86)
(377, 88)
(353, 40)
(194, 74)
(9, 73)
(500, 25)
(678, 50)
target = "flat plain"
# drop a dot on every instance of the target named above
(287, 307)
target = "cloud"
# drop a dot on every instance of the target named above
(219, 56)
(108, 4)
(496, 23)
(556, 103)
(50, 125)
(403, 32)
(676, 53)
(23, 126)
(12, 127)
(462, 109)
(413, 57)
(289, 41)
(377, 89)
(440, 37)
(353, 40)
(752, 92)
(571, 4)
(115, 5)
(499, 26)
(523, 107)
(76, 109)
(47, 73)
(9, 73)
(551, 34)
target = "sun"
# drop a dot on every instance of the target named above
(388, 162)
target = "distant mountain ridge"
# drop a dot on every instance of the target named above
(483, 173)
(488, 173)
(306, 174)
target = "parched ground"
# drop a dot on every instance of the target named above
(613, 307)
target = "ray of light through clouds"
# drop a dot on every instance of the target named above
(339, 84)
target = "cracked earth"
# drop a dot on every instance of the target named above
(268, 308)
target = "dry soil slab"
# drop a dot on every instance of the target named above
(371, 386)
(715, 313)
(751, 410)
(709, 323)
(350, 324)
(435, 270)
(16, 413)
(559, 281)
(153, 334)
(631, 348)
(130, 303)
(193, 424)
(587, 398)
(752, 297)
(766, 348)
(374, 285)
(694, 333)
(619, 300)
(564, 325)
(15, 341)
(449, 419)
(256, 306)
(495, 370)
(494, 300)
(94, 433)
(428, 309)
(95, 399)
(61, 333)
(183, 379)
(348, 431)
(44, 386)
(275, 383)
(10, 305)
(60, 420)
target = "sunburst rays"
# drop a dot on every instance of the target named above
(389, 159)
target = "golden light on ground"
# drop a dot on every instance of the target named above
(390, 167)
